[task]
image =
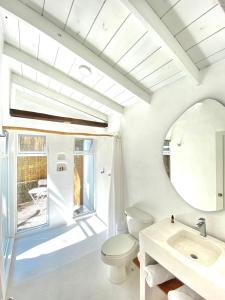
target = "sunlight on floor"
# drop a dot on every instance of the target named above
(81, 231)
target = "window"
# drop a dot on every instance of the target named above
(4, 196)
(83, 177)
(32, 193)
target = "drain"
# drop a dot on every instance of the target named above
(194, 256)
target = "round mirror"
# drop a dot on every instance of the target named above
(193, 155)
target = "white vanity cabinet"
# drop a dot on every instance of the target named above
(173, 246)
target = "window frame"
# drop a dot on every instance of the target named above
(83, 151)
(32, 153)
(5, 248)
(26, 154)
(89, 153)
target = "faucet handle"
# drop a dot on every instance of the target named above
(200, 222)
(201, 219)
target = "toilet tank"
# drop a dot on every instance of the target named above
(137, 220)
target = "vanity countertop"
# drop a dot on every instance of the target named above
(206, 280)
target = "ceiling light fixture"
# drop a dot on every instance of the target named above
(84, 70)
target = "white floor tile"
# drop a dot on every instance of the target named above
(53, 266)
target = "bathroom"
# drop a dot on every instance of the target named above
(130, 70)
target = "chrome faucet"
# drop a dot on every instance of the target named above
(201, 225)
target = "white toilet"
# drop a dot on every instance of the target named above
(118, 251)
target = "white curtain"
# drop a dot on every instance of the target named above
(116, 218)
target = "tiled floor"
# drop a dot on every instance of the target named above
(65, 264)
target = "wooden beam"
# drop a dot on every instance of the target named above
(45, 117)
(22, 11)
(46, 69)
(47, 92)
(143, 11)
(15, 128)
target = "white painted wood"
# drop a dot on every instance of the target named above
(34, 4)
(114, 91)
(104, 84)
(150, 19)
(155, 61)
(105, 110)
(205, 26)
(59, 76)
(28, 100)
(125, 38)
(124, 97)
(42, 79)
(110, 18)
(87, 101)
(162, 6)
(28, 84)
(208, 47)
(28, 72)
(64, 60)
(89, 80)
(65, 90)
(29, 38)
(10, 28)
(137, 54)
(160, 75)
(94, 105)
(55, 85)
(57, 11)
(13, 65)
(44, 25)
(170, 80)
(214, 58)
(185, 12)
(129, 102)
(93, 79)
(48, 49)
(82, 16)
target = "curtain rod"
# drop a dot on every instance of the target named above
(14, 128)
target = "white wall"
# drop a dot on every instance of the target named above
(60, 183)
(144, 128)
(103, 163)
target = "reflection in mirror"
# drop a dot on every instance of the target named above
(193, 155)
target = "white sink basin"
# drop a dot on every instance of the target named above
(196, 247)
(172, 244)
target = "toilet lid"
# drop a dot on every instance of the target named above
(118, 245)
(139, 215)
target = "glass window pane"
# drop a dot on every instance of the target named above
(32, 193)
(83, 184)
(32, 143)
(5, 232)
(84, 145)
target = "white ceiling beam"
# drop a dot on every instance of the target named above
(143, 11)
(25, 98)
(43, 24)
(47, 92)
(59, 76)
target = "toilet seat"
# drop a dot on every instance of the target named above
(119, 245)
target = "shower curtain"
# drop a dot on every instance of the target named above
(116, 217)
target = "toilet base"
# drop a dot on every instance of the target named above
(117, 274)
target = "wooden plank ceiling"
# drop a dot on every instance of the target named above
(113, 33)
